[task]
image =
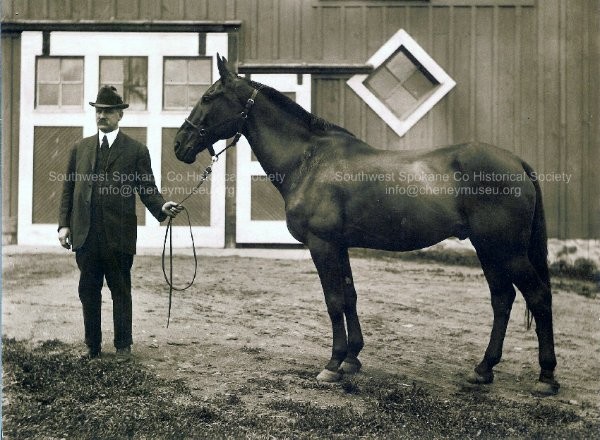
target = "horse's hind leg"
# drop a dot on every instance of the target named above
(539, 300)
(502, 295)
(351, 364)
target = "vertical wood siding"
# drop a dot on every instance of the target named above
(526, 75)
(524, 83)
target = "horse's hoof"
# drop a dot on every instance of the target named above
(350, 368)
(479, 379)
(544, 389)
(329, 376)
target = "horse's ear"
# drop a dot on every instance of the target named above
(223, 68)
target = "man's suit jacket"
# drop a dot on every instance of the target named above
(127, 172)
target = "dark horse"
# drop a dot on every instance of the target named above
(340, 193)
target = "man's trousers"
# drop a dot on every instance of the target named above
(97, 261)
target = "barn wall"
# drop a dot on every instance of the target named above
(525, 72)
(523, 83)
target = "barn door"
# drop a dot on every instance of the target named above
(161, 76)
(260, 211)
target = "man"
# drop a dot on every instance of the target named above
(97, 218)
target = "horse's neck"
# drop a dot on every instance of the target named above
(277, 137)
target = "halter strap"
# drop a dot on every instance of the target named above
(244, 117)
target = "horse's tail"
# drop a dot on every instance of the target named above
(538, 242)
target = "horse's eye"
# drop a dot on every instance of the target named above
(205, 98)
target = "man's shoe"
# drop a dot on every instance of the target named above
(92, 353)
(123, 354)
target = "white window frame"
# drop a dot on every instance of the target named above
(403, 39)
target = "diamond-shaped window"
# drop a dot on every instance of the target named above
(405, 84)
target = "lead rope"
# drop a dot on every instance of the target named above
(205, 174)
(169, 231)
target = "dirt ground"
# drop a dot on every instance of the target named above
(248, 318)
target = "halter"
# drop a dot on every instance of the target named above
(242, 118)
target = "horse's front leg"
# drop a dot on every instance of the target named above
(326, 256)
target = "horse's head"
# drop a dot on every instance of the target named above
(219, 114)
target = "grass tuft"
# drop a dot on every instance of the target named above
(52, 392)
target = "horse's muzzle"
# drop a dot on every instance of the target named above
(184, 155)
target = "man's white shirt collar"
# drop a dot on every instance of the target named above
(110, 137)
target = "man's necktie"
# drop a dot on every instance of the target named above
(104, 151)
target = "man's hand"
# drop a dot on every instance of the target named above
(64, 236)
(172, 209)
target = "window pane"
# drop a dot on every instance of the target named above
(200, 71)
(401, 66)
(72, 94)
(136, 98)
(195, 93)
(138, 71)
(401, 102)
(185, 81)
(175, 96)
(382, 83)
(59, 81)
(175, 71)
(136, 80)
(48, 94)
(111, 71)
(48, 69)
(119, 88)
(418, 85)
(72, 69)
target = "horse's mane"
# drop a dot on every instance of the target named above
(314, 122)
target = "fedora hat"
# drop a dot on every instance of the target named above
(108, 98)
